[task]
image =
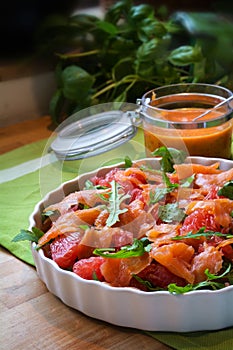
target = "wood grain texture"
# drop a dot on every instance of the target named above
(21, 134)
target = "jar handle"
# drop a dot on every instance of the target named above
(135, 117)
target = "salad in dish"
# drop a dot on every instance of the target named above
(152, 229)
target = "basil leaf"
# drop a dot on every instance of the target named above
(139, 12)
(185, 55)
(55, 105)
(227, 190)
(107, 27)
(77, 83)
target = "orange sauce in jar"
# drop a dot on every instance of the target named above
(209, 142)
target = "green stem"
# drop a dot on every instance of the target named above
(125, 80)
(77, 55)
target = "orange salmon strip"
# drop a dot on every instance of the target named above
(186, 170)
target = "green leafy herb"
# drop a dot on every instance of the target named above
(90, 186)
(26, 235)
(49, 213)
(185, 183)
(138, 248)
(84, 227)
(150, 169)
(227, 190)
(185, 55)
(209, 283)
(158, 194)
(128, 162)
(115, 199)
(171, 213)
(170, 156)
(132, 49)
(168, 183)
(202, 233)
(146, 283)
(94, 276)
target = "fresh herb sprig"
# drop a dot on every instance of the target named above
(160, 192)
(227, 190)
(202, 233)
(169, 157)
(115, 198)
(27, 235)
(171, 213)
(138, 248)
(210, 282)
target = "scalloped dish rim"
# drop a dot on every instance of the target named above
(198, 310)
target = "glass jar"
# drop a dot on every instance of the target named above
(168, 118)
(95, 137)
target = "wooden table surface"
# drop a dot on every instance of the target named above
(33, 318)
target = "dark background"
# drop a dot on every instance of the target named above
(19, 19)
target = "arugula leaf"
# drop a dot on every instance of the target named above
(227, 190)
(115, 199)
(90, 186)
(146, 283)
(168, 183)
(138, 248)
(160, 192)
(185, 183)
(150, 169)
(177, 155)
(208, 283)
(170, 156)
(166, 162)
(26, 235)
(174, 289)
(94, 276)
(49, 212)
(202, 233)
(171, 212)
(84, 227)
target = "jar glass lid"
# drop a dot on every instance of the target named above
(95, 130)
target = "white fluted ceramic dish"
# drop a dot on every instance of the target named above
(129, 307)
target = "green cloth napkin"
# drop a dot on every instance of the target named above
(19, 196)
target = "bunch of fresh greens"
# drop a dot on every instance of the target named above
(132, 50)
